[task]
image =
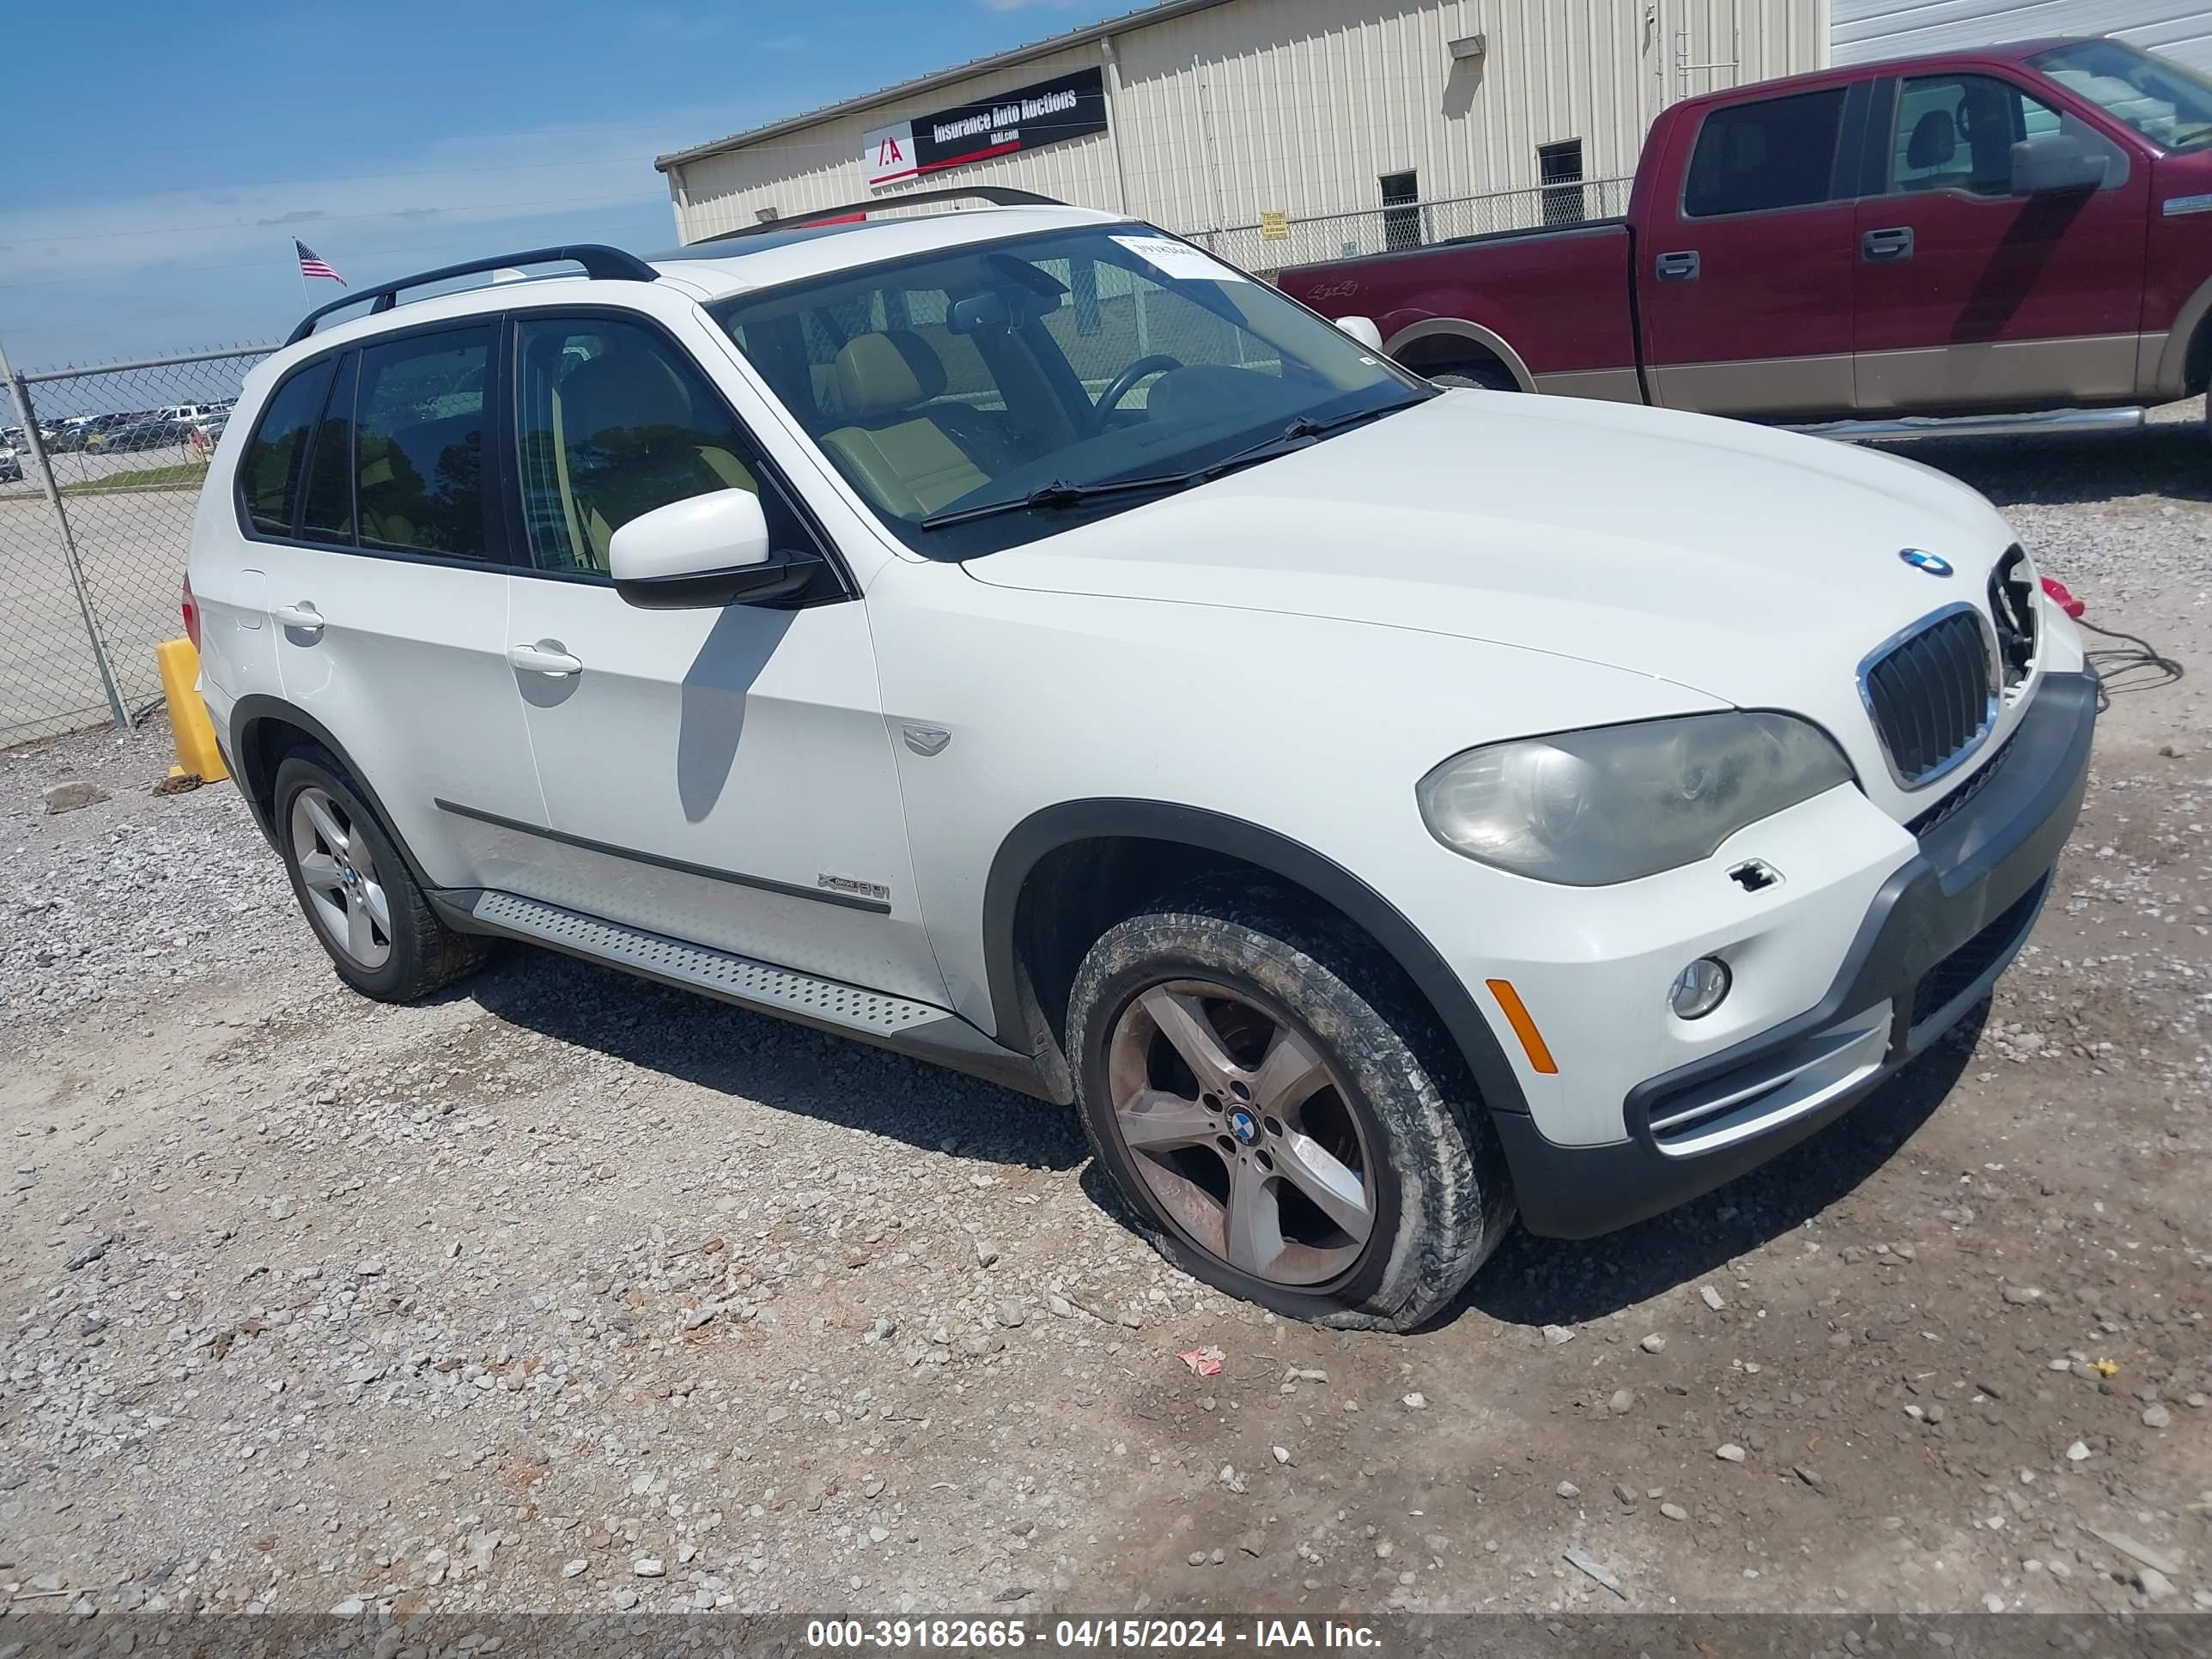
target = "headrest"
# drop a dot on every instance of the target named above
(1934, 140)
(623, 389)
(882, 374)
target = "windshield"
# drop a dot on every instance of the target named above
(1028, 371)
(2169, 105)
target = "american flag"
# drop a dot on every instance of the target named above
(313, 263)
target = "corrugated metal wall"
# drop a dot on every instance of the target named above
(1868, 29)
(1302, 105)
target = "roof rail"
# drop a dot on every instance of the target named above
(599, 261)
(996, 195)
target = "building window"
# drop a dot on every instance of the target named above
(1401, 221)
(1561, 167)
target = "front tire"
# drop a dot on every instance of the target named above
(355, 890)
(1288, 1138)
(1480, 376)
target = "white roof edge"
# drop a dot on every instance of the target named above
(1127, 22)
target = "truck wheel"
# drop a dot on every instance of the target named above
(1484, 377)
(380, 933)
(1274, 1131)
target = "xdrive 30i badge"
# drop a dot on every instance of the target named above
(1921, 559)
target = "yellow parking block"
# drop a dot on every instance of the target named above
(197, 754)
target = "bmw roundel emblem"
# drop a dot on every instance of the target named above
(1921, 559)
(1243, 1125)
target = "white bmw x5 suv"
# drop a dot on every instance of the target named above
(1013, 637)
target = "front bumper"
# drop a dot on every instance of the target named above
(1936, 936)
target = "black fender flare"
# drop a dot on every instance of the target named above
(250, 711)
(1053, 826)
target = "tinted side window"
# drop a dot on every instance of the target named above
(268, 473)
(611, 421)
(418, 444)
(1775, 154)
(327, 514)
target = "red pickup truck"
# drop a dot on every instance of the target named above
(2015, 228)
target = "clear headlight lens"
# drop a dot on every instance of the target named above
(1616, 802)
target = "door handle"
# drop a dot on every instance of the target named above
(302, 618)
(1679, 267)
(1882, 245)
(546, 657)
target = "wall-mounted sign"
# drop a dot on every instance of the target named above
(1275, 225)
(1028, 117)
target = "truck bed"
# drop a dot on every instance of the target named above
(1560, 294)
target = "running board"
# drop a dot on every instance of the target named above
(919, 1028)
(1979, 426)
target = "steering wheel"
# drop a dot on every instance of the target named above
(1126, 382)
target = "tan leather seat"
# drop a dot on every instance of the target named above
(627, 440)
(899, 448)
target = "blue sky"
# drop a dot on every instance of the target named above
(159, 157)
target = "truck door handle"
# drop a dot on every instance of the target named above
(1882, 245)
(546, 657)
(301, 619)
(1679, 267)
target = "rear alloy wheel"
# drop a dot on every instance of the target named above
(357, 892)
(1290, 1139)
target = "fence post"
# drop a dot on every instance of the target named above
(27, 417)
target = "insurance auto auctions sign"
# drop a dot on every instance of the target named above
(1028, 117)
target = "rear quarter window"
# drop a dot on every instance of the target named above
(268, 473)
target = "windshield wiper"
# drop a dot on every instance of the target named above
(1297, 435)
(1059, 493)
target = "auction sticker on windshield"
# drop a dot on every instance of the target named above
(1179, 260)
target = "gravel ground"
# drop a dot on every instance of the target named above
(562, 1290)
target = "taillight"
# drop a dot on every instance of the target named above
(2056, 591)
(192, 608)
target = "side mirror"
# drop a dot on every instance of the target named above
(709, 550)
(1363, 330)
(2053, 163)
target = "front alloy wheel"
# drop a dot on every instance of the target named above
(1289, 1139)
(1241, 1131)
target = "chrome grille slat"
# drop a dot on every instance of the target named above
(1932, 694)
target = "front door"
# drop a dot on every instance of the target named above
(1745, 283)
(387, 588)
(723, 775)
(1970, 297)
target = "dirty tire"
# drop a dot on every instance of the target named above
(425, 954)
(1437, 1178)
(1483, 377)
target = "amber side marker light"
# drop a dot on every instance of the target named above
(1517, 1015)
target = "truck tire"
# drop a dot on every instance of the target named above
(355, 890)
(1482, 376)
(1262, 1096)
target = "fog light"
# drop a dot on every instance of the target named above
(1699, 988)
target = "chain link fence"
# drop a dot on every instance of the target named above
(1264, 249)
(97, 491)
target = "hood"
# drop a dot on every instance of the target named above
(1754, 565)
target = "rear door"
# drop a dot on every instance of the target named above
(1745, 278)
(386, 584)
(1969, 297)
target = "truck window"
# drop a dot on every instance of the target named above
(1776, 152)
(1956, 132)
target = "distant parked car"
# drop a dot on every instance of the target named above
(159, 432)
(11, 468)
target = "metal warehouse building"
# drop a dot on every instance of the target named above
(1870, 29)
(1278, 130)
